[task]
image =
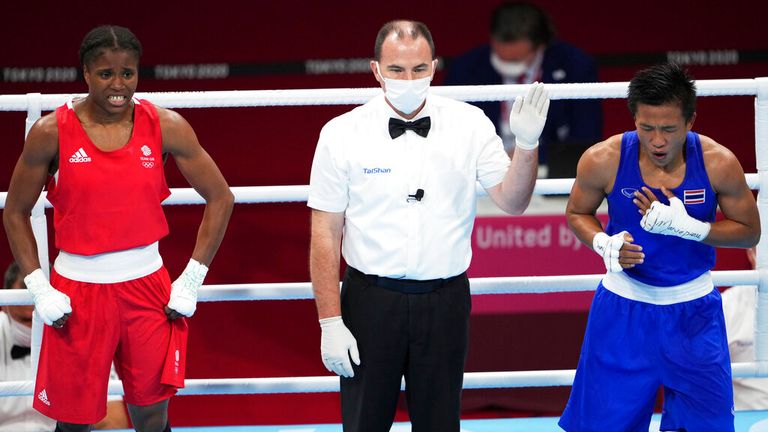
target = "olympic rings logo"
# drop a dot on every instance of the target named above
(148, 164)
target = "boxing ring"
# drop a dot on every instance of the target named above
(34, 104)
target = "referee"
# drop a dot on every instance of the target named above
(393, 187)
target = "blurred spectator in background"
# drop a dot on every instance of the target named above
(16, 413)
(739, 305)
(523, 49)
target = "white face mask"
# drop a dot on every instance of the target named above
(508, 69)
(21, 334)
(405, 95)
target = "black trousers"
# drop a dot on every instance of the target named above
(420, 336)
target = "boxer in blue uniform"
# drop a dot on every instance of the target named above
(656, 318)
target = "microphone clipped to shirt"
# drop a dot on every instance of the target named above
(417, 196)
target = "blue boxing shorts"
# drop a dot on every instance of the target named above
(631, 348)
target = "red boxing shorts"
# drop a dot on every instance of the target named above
(123, 321)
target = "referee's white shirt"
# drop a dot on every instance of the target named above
(359, 170)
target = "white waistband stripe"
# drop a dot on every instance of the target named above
(621, 284)
(110, 267)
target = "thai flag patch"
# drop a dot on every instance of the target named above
(694, 196)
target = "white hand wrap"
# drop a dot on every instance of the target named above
(527, 117)
(50, 303)
(184, 289)
(608, 247)
(673, 220)
(336, 346)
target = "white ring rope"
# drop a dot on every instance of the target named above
(479, 286)
(273, 194)
(351, 96)
(325, 384)
(507, 285)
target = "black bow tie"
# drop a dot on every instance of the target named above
(398, 127)
(18, 352)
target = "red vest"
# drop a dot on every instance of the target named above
(108, 201)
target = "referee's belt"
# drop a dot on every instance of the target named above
(406, 286)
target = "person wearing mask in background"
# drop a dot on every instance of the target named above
(523, 49)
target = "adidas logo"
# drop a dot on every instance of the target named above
(80, 156)
(44, 397)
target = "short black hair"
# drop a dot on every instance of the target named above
(513, 21)
(403, 28)
(108, 37)
(11, 275)
(663, 84)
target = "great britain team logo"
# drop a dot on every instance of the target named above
(694, 196)
(147, 161)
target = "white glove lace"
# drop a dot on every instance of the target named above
(609, 248)
(673, 220)
(527, 117)
(50, 303)
(184, 289)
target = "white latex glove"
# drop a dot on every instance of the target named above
(50, 303)
(184, 289)
(673, 220)
(337, 345)
(608, 247)
(528, 115)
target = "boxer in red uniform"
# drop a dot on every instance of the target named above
(109, 295)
